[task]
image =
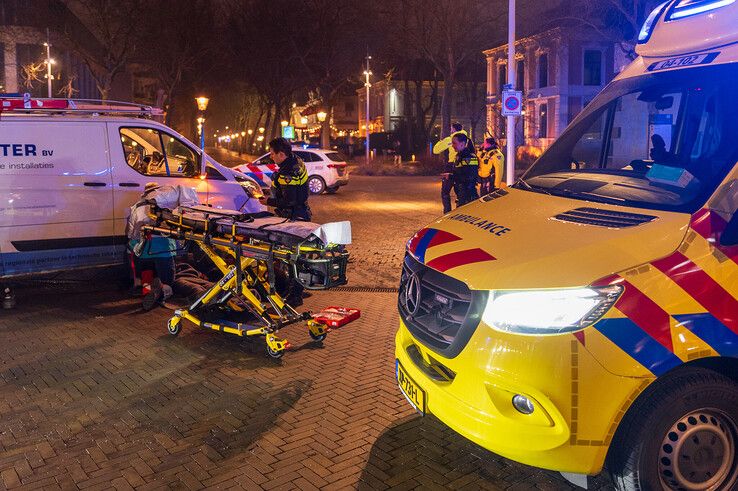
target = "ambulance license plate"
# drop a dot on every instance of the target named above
(412, 392)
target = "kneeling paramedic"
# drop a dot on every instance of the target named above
(466, 168)
(289, 195)
(289, 191)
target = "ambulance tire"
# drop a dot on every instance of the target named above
(669, 421)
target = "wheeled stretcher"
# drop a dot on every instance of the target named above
(247, 250)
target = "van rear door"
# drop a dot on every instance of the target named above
(56, 197)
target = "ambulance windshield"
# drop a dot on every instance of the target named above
(660, 141)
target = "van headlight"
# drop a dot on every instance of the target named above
(252, 190)
(543, 312)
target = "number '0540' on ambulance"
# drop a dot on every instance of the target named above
(70, 171)
(589, 313)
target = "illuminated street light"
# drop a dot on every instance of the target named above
(243, 133)
(261, 130)
(321, 116)
(285, 123)
(304, 120)
(202, 103)
(250, 132)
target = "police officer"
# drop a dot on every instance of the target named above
(447, 182)
(466, 169)
(289, 195)
(491, 163)
(289, 190)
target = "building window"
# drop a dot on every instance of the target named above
(502, 77)
(543, 121)
(520, 75)
(543, 70)
(592, 67)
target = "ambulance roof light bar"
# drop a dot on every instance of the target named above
(22, 104)
(688, 8)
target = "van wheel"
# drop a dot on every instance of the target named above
(316, 184)
(682, 436)
(332, 190)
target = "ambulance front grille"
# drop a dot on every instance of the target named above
(604, 218)
(439, 311)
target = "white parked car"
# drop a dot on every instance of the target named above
(69, 175)
(327, 171)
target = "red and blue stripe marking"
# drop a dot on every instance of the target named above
(431, 237)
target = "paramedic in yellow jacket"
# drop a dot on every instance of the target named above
(447, 182)
(491, 164)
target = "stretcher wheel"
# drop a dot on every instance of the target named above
(277, 354)
(174, 325)
(319, 337)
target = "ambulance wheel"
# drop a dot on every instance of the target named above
(174, 325)
(316, 185)
(682, 435)
(274, 354)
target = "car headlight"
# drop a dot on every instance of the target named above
(542, 312)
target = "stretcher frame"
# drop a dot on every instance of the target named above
(247, 284)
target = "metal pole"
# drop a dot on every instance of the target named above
(367, 73)
(511, 80)
(48, 63)
(202, 133)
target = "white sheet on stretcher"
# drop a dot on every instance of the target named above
(338, 233)
(173, 197)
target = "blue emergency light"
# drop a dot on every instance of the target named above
(688, 8)
(647, 28)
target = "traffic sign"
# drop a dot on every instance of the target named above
(288, 132)
(512, 103)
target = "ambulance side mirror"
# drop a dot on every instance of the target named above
(729, 237)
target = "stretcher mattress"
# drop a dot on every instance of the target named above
(261, 227)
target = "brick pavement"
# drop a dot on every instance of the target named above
(95, 394)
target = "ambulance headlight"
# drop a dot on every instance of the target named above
(542, 312)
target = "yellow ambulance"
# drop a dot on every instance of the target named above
(587, 317)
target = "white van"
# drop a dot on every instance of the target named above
(327, 170)
(68, 177)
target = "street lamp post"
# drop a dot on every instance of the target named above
(202, 105)
(322, 116)
(511, 81)
(367, 74)
(49, 62)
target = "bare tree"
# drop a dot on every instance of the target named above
(110, 40)
(448, 33)
(618, 21)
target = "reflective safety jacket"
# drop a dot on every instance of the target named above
(289, 190)
(466, 165)
(445, 144)
(492, 162)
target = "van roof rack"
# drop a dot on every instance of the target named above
(27, 105)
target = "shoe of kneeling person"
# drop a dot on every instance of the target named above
(156, 293)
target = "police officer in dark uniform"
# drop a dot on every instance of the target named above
(289, 196)
(289, 191)
(466, 167)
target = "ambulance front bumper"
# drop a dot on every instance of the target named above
(573, 420)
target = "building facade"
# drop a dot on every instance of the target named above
(559, 72)
(390, 105)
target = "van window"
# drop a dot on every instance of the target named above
(152, 152)
(662, 141)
